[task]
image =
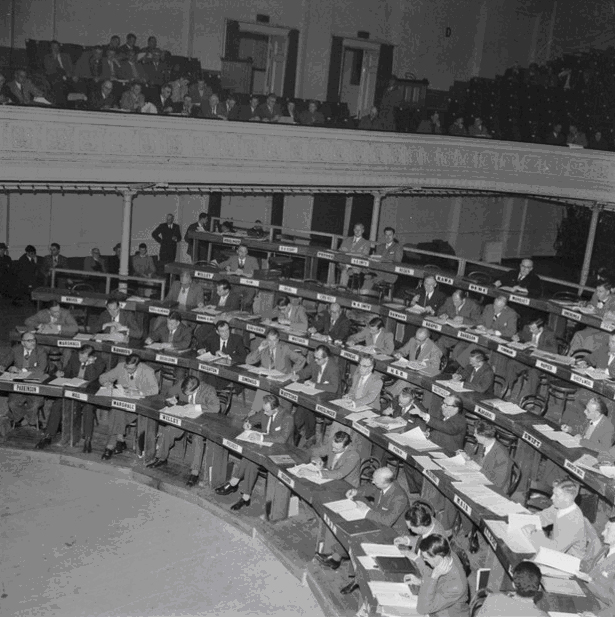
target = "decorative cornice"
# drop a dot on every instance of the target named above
(47, 145)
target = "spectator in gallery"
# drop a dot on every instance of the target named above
(94, 262)
(103, 97)
(291, 117)
(163, 101)
(231, 109)
(598, 142)
(371, 122)
(53, 260)
(311, 116)
(269, 111)
(142, 263)
(22, 90)
(179, 88)
(114, 44)
(188, 108)
(132, 100)
(431, 124)
(131, 70)
(200, 92)
(458, 128)
(110, 66)
(5, 98)
(555, 136)
(146, 55)
(113, 263)
(249, 112)
(156, 71)
(89, 65)
(576, 137)
(478, 129)
(29, 273)
(6, 269)
(201, 225)
(130, 46)
(392, 98)
(213, 109)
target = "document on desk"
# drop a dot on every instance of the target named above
(348, 404)
(381, 550)
(136, 299)
(516, 542)
(75, 382)
(488, 498)
(301, 387)
(81, 336)
(347, 509)
(386, 422)
(254, 437)
(182, 411)
(557, 560)
(519, 345)
(426, 462)
(393, 594)
(416, 309)
(457, 386)
(414, 438)
(567, 440)
(510, 409)
(361, 415)
(206, 357)
(553, 357)
(308, 471)
(563, 586)
(6, 376)
(208, 310)
(368, 562)
(120, 392)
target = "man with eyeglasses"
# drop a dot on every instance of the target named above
(524, 281)
(23, 358)
(333, 323)
(323, 373)
(53, 320)
(366, 385)
(375, 337)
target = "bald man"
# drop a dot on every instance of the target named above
(525, 280)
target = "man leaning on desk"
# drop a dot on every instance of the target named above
(333, 323)
(245, 265)
(353, 245)
(53, 320)
(114, 320)
(375, 337)
(525, 280)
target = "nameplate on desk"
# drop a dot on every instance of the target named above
(71, 300)
(571, 314)
(249, 282)
(326, 298)
(166, 359)
(329, 524)
(25, 388)
(286, 479)
(489, 537)
(291, 396)
(466, 336)
(362, 306)
(431, 476)
(282, 248)
(361, 429)
(206, 368)
(447, 280)
(398, 316)
(250, 381)
(170, 419)
(256, 329)
(583, 381)
(397, 372)
(545, 366)
(78, 396)
(397, 450)
(158, 310)
(68, 343)
(462, 504)
(299, 340)
(484, 412)
(122, 351)
(404, 270)
(349, 355)
(575, 469)
(123, 304)
(123, 405)
(325, 255)
(227, 240)
(205, 318)
(287, 289)
(231, 445)
(355, 261)
(478, 288)
(507, 351)
(325, 411)
(439, 391)
(520, 299)
(531, 440)
(432, 325)
(199, 274)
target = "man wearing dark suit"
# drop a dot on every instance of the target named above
(167, 235)
(113, 319)
(311, 116)
(248, 112)
(213, 109)
(27, 356)
(130, 46)
(523, 281)
(224, 299)
(460, 309)
(324, 374)
(366, 385)
(173, 334)
(103, 97)
(343, 462)
(390, 251)
(601, 572)
(84, 364)
(385, 502)
(539, 336)
(53, 320)
(189, 391)
(276, 425)
(131, 70)
(185, 292)
(6, 269)
(110, 67)
(375, 337)
(492, 456)
(269, 111)
(479, 375)
(29, 273)
(242, 264)
(200, 93)
(53, 260)
(429, 298)
(163, 101)
(21, 89)
(156, 71)
(402, 407)
(201, 225)
(59, 71)
(332, 323)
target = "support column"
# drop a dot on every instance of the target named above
(347, 215)
(126, 223)
(589, 247)
(454, 220)
(373, 232)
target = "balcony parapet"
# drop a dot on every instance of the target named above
(49, 145)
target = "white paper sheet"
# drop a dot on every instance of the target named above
(75, 382)
(562, 586)
(426, 462)
(557, 560)
(347, 509)
(301, 387)
(308, 471)
(381, 550)
(182, 411)
(456, 386)
(414, 438)
(361, 415)
(516, 542)
(348, 404)
(254, 437)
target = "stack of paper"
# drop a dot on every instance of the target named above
(208, 310)
(519, 345)
(82, 336)
(308, 471)
(567, 440)
(6, 376)
(597, 374)
(75, 382)
(563, 564)
(418, 310)
(414, 439)
(254, 437)
(393, 594)
(489, 499)
(457, 386)
(510, 409)
(136, 299)
(349, 404)
(347, 509)
(361, 415)
(182, 411)
(114, 337)
(160, 346)
(562, 586)
(426, 462)
(553, 357)
(381, 550)
(387, 422)
(119, 392)
(516, 542)
(301, 387)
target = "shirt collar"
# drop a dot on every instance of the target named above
(567, 510)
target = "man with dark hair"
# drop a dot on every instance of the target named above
(224, 299)
(276, 425)
(375, 337)
(355, 245)
(269, 111)
(59, 71)
(342, 461)
(478, 375)
(167, 234)
(6, 269)
(390, 251)
(225, 345)
(130, 46)
(333, 323)
(53, 320)
(29, 274)
(173, 334)
(461, 310)
(53, 260)
(114, 320)
(602, 305)
(201, 225)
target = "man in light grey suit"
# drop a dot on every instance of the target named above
(242, 264)
(343, 462)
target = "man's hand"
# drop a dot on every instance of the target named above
(59, 373)
(411, 579)
(388, 411)
(457, 377)
(246, 426)
(263, 346)
(497, 284)
(401, 541)
(351, 493)
(362, 507)
(201, 305)
(172, 400)
(311, 330)
(149, 340)
(317, 462)
(13, 369)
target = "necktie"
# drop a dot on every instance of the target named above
(241, 263)
(271, 358)
(82, 370)
(55, 262)
(171, 334)
(589, 430)
(269, 418)
(611, 357)
(495, 318)
(418, 352)
(223, 346)
(132, 377)
(26, 355)
(321, 370)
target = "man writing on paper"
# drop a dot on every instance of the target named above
(276, 425)
(343, 462)
(375, 337)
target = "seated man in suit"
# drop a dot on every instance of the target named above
(342, 461)
(421, 524)
(273, 354)
(322, 373)
(461, 310)
(188, 392)
(420, 348)
(53, 260)
(27, 356)
(113, 320)
(242, 264)
(375, 337)
(598, 431)
(174, 335)
(163, 101)
(59, 72)
(366, 385)
(84, 364)
(53, 320)
(478, 375)
(269, 111)
(402, 407)
(430, 299)
(384, 502)
(390, 251)
(224, 299)
(290, 312)
(137, 378)
(276, 425)
(201, 226)
(213, 109)
(187, 293)
(603, 305)
(333, 323)
(22, 91)
(355, 245)
(539, 336)
(525, 280)
(103, 98)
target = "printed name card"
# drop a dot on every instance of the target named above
(256, 329)
(286, 479)
(199, 274)
(287, 289)
(206, 368)
(299, 340)
(158, 310)
(397, 372)
(439, 390)
(227, 240)
(282, 248)
(462, 505)
(170, 419)
(404, 270)
(25, 388)
(123, 405)
(250, 381)
(355, 261)
(571, 314)
(507, 351)
(362, 306)
(481, 411)
(583, 381)
(122, 351)
(205, 318)
(520, 299)
(545, 366)
(231, 445)
(71, 300)
(361, 429)
(431, 476)
(489, 537)
(291, 396)
(478, 289)
(325, 255)
(397, 450)
(447, 280)
(325, 411)
(531, 440)
(166, 359)
(466, 336)
(349, 355)
(432, 325)
(249, 282)
(326, 298)
(68, 343)
(575, 469)
(78, 396)
(398, 316)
